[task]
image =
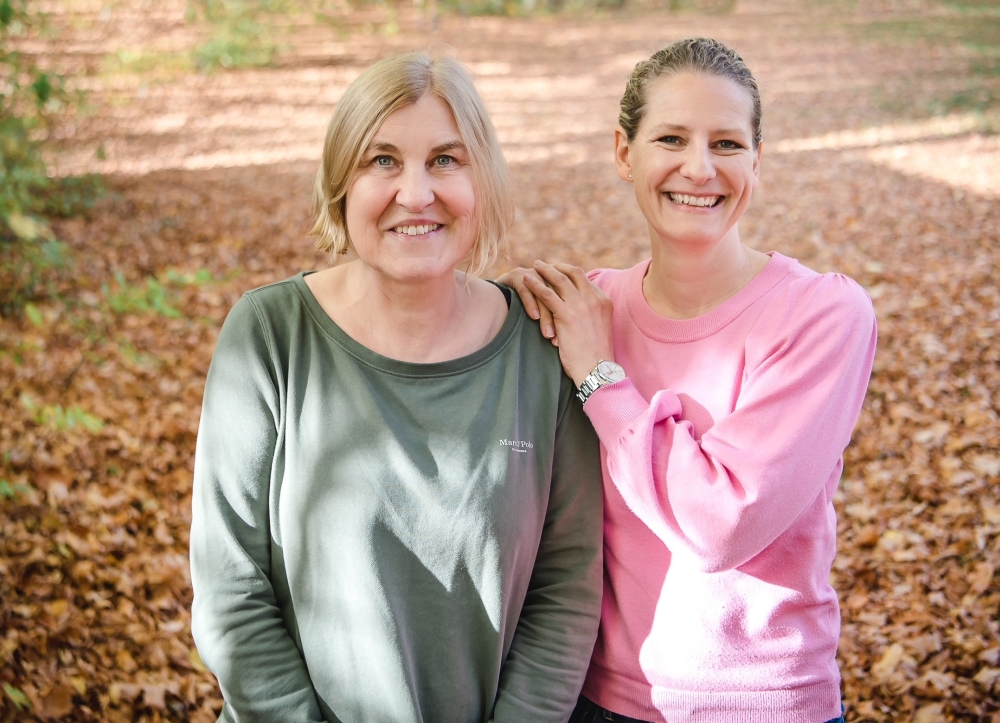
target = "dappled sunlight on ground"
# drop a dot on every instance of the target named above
(971, 163)
(881, 161)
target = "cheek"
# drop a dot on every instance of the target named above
(462, 198)
(365, 203)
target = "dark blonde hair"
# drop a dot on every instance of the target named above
(382, 89)
(698, 55)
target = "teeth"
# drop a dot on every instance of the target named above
(417, 230)
(693, 200)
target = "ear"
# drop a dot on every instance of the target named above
(622, 161)
(756, 161)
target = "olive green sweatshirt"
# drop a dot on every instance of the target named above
(377, 540)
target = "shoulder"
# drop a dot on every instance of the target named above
(810, 318)
(274, 305)
(274, 297)
(823, 316)
(537, 355)
(613, 282)
(805, 296)
(254, 318)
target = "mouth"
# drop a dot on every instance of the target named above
(418, 230)
(683, 199)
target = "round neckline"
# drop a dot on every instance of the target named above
(404, 368)
(662, 328)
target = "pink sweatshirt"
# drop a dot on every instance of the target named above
(721, 453)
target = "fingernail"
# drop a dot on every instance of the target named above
(549, 333)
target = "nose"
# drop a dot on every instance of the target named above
(415, 191)
(699, 165)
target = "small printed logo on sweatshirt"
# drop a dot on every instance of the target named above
(517, 445)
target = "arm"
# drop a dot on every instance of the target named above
(721, 500)
(235, 618)
(550, 653)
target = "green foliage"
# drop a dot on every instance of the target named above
(29, 98)
(155, 295)
(34, 315)
(972, 27)
(152, 297)
(28, 267)
(9, 492)
(19, 699)
(199, 278)
(241, 37)
(61, 420)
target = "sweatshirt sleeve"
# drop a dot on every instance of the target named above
(550, 653)
(721, 500)
(235, 618)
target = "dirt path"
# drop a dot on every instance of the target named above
(874, 166)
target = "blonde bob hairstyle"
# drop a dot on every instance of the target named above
(385, 87)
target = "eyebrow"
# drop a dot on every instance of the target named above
(449, 146)
(381, 147)
(660, 129)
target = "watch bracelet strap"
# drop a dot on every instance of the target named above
(591, 383)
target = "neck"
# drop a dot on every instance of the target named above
(688, 280)
(410, 321)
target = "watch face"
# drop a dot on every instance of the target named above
(611, 371)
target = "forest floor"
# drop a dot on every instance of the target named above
(881, 161)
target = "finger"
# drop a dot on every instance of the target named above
(577, 275)
(548, 300)
(547, 323)
(544, 293)
(515, 280)
(555, 278)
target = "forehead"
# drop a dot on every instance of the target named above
(698, 100)
(429, 120)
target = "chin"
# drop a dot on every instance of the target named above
(416, 272)
(694, 236)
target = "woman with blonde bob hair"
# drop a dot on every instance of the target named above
(397, 501)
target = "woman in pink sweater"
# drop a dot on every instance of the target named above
(724, 384)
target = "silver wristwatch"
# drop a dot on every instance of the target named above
(606, 372)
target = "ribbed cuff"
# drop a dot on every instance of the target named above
(809, 704)
(613, 408)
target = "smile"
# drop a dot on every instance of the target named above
(686, 200)
(417, 230)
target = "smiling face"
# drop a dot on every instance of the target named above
(692, 160)
(411, 206)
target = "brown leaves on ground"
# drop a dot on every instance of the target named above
(878, 163)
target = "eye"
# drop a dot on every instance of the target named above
(730, 145)
(444, 161)
(669, 140)
(382, 161)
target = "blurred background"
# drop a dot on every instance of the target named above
(157, 162)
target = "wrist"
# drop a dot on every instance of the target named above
(605, 372)
(582, 369)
